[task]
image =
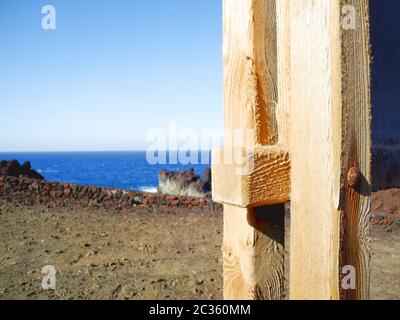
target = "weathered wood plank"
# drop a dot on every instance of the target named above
(283, 66)
(250, 71)
(253, 253)
(356, 149)
(329, 133)
(253, 245)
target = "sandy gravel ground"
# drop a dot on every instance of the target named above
(141, 254)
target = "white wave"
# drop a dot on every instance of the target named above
(148, 189)
(48, 171)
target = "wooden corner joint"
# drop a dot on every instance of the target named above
(251, 178)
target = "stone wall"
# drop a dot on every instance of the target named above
(28, 191)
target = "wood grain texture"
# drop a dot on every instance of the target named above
(283, 67)
(329, 132)
(314, 215)
(253, 253)
(250, 72)
(356, 149)
(264, 180)
(253, 237)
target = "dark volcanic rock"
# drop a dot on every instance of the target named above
(385, 168)
(27, 191)
(184, 183)
(207, 180)
(14, 169)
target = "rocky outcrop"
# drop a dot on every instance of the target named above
(14, 169)
(385, 166)
(22, 185)
(185, 183)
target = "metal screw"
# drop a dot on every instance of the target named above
(353, 177)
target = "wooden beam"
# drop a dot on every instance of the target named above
(265, 181)
(253, 237)
(329, 134)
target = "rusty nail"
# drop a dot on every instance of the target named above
(353, 177)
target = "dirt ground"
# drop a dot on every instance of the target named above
(142, 254)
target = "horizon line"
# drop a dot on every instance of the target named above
(93, 151)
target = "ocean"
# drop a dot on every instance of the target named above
(120, 170)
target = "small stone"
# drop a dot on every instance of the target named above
(388, 229)
(138, 199)
(199, 282)
(116, 290)
(160, 280)
(77, 258)
(197, 291)
(381, 215)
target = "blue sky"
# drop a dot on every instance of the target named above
(112, 70)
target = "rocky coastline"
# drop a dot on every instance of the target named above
(27, 187)
(22, 186)
(185, 183)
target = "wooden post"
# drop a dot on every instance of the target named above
(253, 202)
(297, 75)
(329, 143)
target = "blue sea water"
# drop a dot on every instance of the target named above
(125, 170)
